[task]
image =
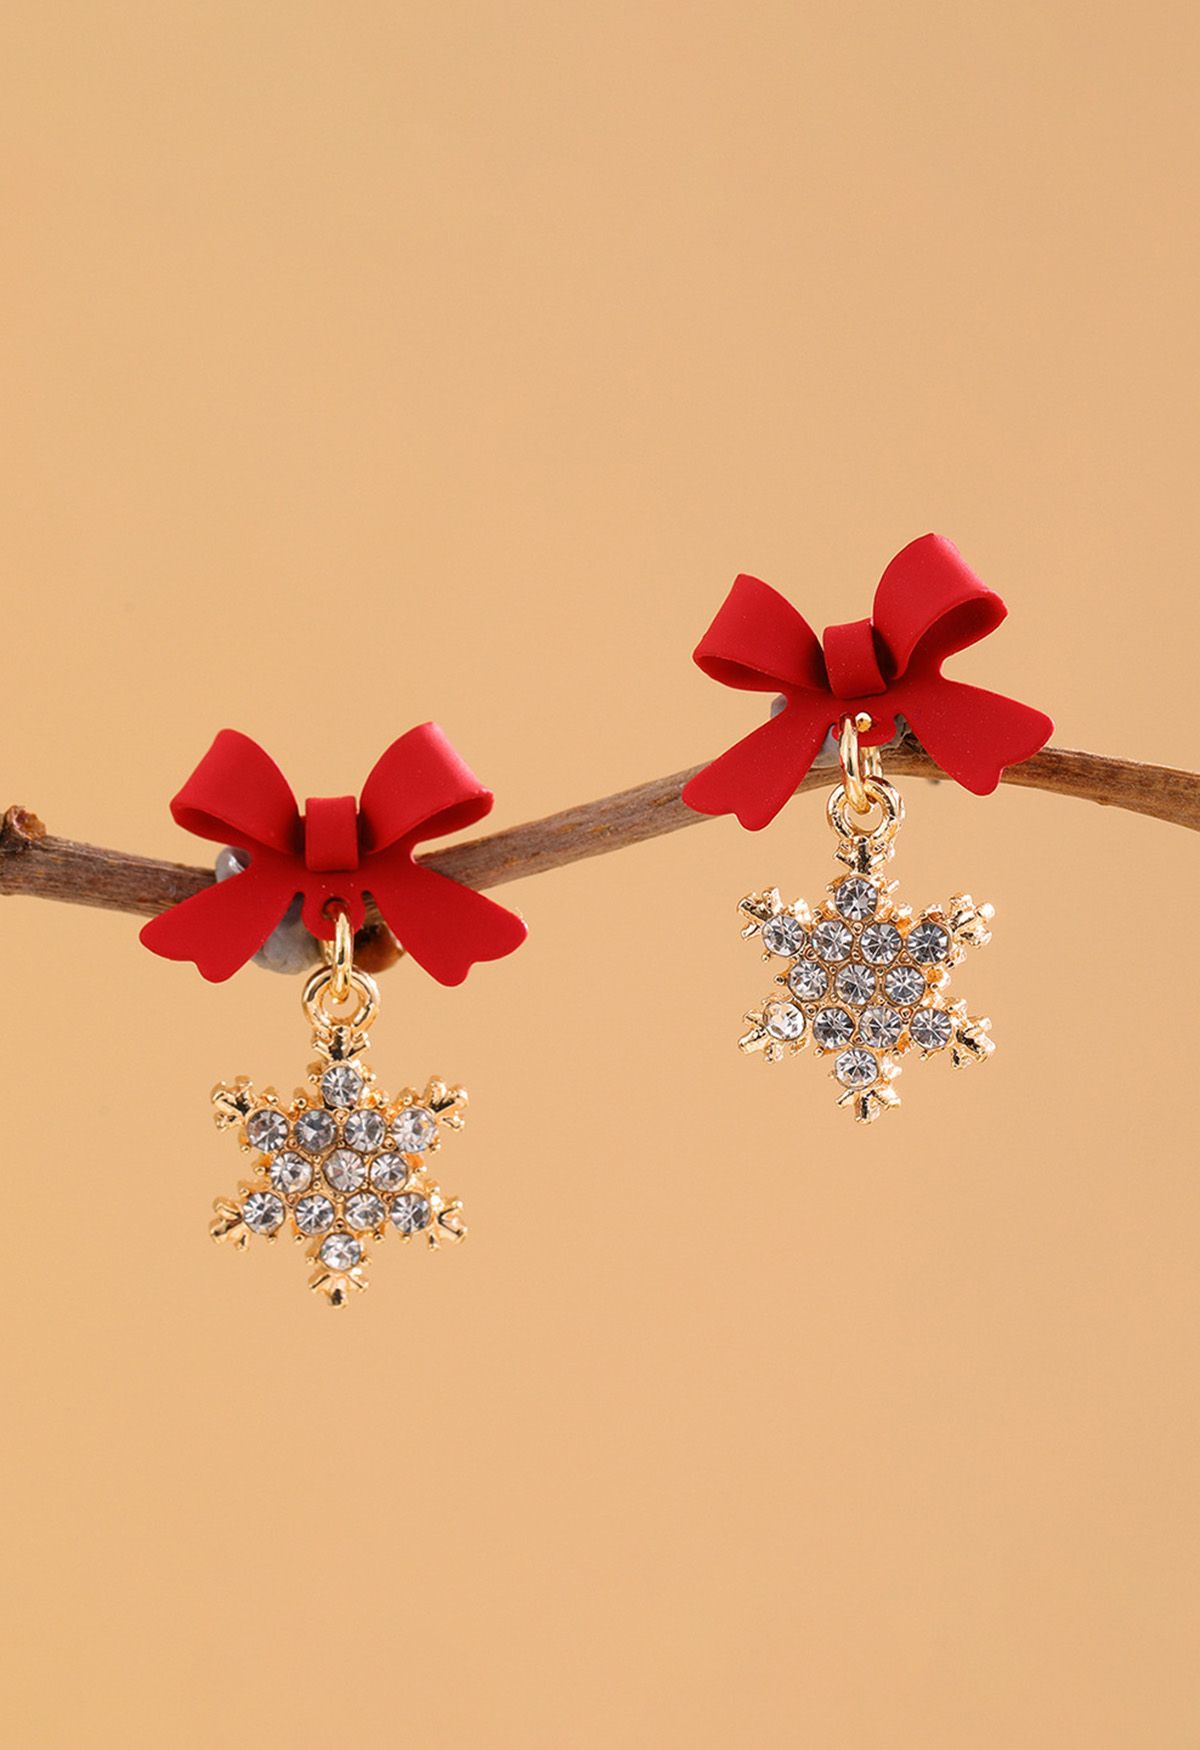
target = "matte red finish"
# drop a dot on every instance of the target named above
(334, 855)
(929, 604)
(331, 832)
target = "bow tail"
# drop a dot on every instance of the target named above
(760, 773)
(444, 926)
(972, 734)
(222, 926)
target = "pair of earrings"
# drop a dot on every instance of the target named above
(342, 1165)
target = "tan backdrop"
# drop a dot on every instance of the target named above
(367, 363)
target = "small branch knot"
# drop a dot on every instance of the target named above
(20, 829)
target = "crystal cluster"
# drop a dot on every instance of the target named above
(866, 981)
(341, 1166)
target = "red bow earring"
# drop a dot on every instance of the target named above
(341, 1165)
(862, 976)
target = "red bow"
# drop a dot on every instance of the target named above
(334, 855)
(927, 606)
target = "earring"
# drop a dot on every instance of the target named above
(865, 980)
(340, 1165)
(862, 976)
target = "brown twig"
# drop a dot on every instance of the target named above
(32, 862)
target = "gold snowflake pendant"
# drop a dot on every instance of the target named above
(865, 979)
(341, 1165)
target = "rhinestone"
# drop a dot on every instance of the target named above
(808, 981)
(363, 1130)
(411, 1212)
(833, 1027)
(341, 1085)
(856, 1068)
(905, 985)
(340, 1252)
(783, 935)
(290, 1172)
(266, 1130)
(928, 942)
(414, 1129)
(856, 899)
(262, 1212)
(784, 1020)
(314, 1131)
(388, 1172)
(880, 1026)
(344, 1170)
(855, 983)
(931, 1029)
(364, 1211)
(832, 941)
(880, 943)
(314, 1215)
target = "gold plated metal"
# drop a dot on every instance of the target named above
(340, 1165)
(863, 978)
(339, 954)
(877, 793)
(858, 763)
(319, 993)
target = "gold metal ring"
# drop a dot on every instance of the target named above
(858, 763)
(319, 987)
(879, 794)
(339, 956)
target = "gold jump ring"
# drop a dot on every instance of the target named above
(858, 763)
(340, 956)
(319, 988)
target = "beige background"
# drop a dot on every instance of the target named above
(370, 362)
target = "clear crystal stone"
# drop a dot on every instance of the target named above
(880, 943)
(314, 1131)
(784, 1020)
(410, 1212)
(931, 1029)
(880, 1026)
(364, 1211)
(832, 1027)
(856, 1068)
(856, 899)
(266, 1130)
(364, 1130)
(905, 985)
(341, 1085)
(262, 1212)
(855, 984)
(928, 942)
(831, 940)
(414, 1129)
(341, 1252)
(808, 981)
(314, 1214)
(290, 1172)
(344, 1169)
(388, 1172)
(783, 935)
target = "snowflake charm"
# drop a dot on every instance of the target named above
(865, 979)
(341, 1165)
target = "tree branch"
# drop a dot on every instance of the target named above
(34, 863)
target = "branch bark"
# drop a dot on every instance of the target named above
(34, 863)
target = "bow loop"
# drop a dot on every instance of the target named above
(420, 788)
(928, 605)
(238, 795)
(337, 854)
(760, 643)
